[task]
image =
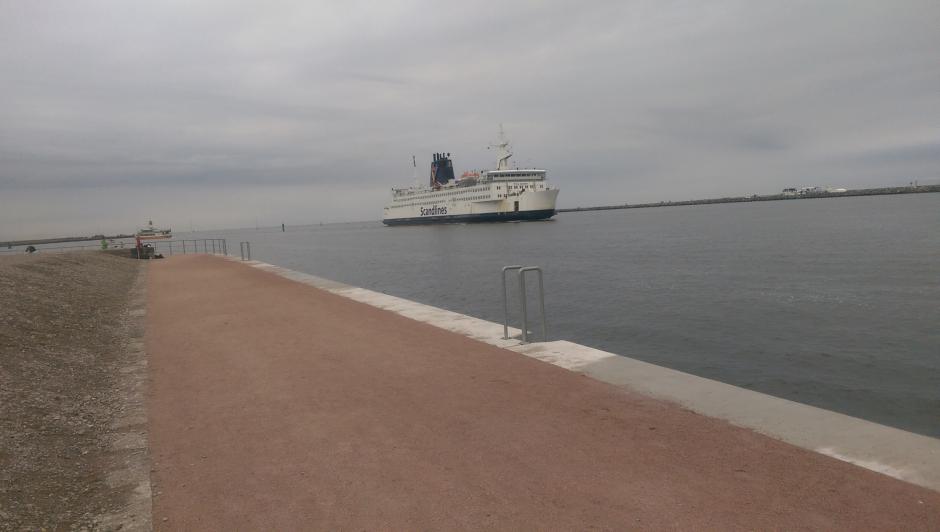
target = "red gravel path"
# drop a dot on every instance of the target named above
(276, 405)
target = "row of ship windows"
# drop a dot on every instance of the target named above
(461, 191)
(438, 202)
(442, 200)
(520, 174)
(445, 194)
(451, 193)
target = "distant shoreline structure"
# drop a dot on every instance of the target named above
(883, 191)
(37, 241)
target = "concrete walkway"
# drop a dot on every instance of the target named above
(275, 405)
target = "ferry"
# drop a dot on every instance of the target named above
(152, 233)
(500, 195)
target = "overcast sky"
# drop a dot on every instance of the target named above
(221, 114)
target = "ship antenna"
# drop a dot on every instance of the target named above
(503, 150)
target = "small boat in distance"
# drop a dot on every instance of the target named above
(152, 233)
(500, 195)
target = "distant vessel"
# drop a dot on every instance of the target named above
(809, 191)
(152, 233)
(500, 195)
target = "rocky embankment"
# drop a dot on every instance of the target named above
(73, 451)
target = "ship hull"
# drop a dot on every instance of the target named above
(486, 217)
(483, 204)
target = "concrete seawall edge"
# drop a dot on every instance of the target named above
(897, 453)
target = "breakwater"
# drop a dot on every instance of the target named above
(60, 240)
(884, 191)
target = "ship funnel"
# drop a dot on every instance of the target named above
(442, 170)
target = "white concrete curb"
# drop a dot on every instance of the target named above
(893, 452)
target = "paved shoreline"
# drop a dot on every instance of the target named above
(278, 405)
(907, 456)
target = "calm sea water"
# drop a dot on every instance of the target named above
(830, 302)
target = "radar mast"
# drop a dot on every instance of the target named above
(503, 150)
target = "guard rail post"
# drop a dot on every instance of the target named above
(522, 293)
(506, 301)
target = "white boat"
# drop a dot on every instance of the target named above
(500, 195)
(152, 233)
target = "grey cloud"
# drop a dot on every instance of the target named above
(928, 153)
(620, 101)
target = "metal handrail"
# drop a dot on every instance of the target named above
(522, 295)
(506, 301)
(522, 270)
(215, 246)
(245, 249)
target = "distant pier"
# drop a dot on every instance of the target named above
(59, 240)
(885, 191)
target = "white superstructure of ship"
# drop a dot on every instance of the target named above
(503, 194)
(153, 233)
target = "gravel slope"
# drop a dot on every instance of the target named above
(72, 375)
